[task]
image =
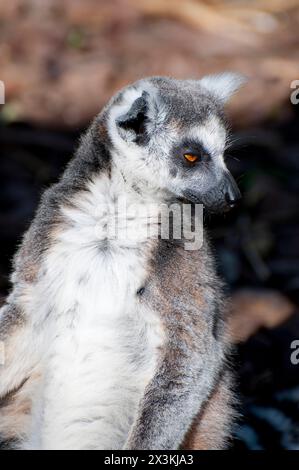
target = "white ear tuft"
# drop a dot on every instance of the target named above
(223, 85)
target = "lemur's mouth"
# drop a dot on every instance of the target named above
(213, 203)
(220, 198)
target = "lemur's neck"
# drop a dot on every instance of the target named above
(140, 212)
(137, 188)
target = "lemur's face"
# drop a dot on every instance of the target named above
(171, 135)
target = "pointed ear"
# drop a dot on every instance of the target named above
(223, 85)
(133, 121)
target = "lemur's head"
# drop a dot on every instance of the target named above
(171, 135)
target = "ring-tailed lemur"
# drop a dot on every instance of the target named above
(117, 343)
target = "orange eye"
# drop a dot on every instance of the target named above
(191, 157)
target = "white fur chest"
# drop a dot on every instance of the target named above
(101, 343)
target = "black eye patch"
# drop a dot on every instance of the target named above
(189, 147)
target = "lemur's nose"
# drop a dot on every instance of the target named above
(231, 191)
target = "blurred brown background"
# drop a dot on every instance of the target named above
(60, 62)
